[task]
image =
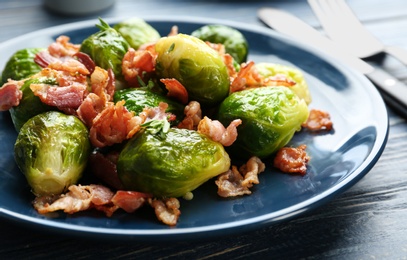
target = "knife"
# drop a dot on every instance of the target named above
(393, 91)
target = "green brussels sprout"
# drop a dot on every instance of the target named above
(301, 88)
(107, 49)
(170, 164)
(52, 150)
(21, 65)
(30, 105)
(270, 117)
(137, 32)
(234, 41)
(198, 67)
(137, 99)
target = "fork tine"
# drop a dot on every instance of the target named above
(327, 13)
(342, 25)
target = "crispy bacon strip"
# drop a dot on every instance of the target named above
(102, 85)
(91, 106)
(10, 95)
(137, 64)
(114, 125)
(238, 182)
(78, 198)
(64, 63)
(217, 132)
(130, 201)
(176, 90)
(248, 77)
(61, 97)
(62, 47)
(228, 60)
(166, 210)
(318, 120)
(292, 160)
(173, 31)
(193, 115)
(99, 197)
(86, 60)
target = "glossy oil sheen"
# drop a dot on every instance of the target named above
(338, 159)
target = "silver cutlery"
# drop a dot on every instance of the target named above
(393, 91)
(342, 26)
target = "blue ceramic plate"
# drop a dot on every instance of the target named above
(338, 159)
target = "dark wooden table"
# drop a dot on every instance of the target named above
(368, 221)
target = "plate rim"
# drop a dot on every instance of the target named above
(246, 224)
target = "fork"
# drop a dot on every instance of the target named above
(341, 25)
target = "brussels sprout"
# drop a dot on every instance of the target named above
(270, 117)
(234, 41)
(137, 32)
(198, 67)
(137, 99)
(21, 65)
(171, 164)
(107, 49)
(301, 88)
(52, 150)
(30, 105)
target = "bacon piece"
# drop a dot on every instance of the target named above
(10, 95)
(217, 132)
(62, 47)
(246, 77)
(173, 31)
(236, 182)
(176, 90)
(228, 60)
(250, 171)
(137, 64)
(166, 210)
(249, 77)
(79, 198)
(91, 106)
(64, 63)
(130, 201)
(279, 80)
(43, 59)
(102, 84)
(156, 113)
(193, 115)
(63, 97)
(114, 125)
(99, 197)
(292, 160)
(318, 120)
(86, 60)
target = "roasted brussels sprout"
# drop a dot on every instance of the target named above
(52, 150)
(198, 67)
(107, 49)
(234, 41)
(21, 65)
(170, 164)
(301, 86)
(30, 105)
(137, 32)
(270, 117)
(137, 99)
